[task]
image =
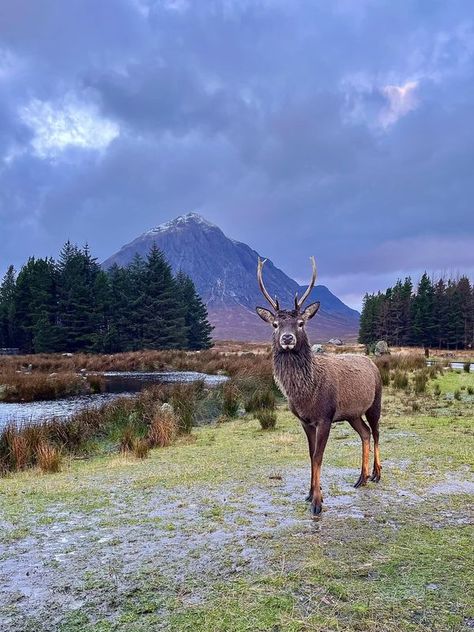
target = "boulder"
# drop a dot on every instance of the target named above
(335, 341)
(381, 348)
(317, 349)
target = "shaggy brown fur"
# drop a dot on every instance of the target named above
(324, 389)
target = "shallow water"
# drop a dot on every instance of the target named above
(117, 384)
(457, 366)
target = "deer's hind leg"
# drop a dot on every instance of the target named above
(363, 430)
(373, 416)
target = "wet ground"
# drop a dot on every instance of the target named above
(180, 540)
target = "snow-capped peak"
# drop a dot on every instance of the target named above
(179, 222)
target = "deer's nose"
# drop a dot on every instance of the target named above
(288, 339)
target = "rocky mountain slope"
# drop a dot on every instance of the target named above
(224, 272)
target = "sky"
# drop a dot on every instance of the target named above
(340, 129)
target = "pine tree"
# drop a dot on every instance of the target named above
(368, 320)
(77, 310)
(467, 310)
(163, 321)
(198, 328)
(36, 296)
(441, 314)
(422, 313)
(7, 309)
(137, 273)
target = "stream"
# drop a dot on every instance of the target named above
(117, 384)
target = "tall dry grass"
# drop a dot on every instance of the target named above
(35, 386)
(162, 430)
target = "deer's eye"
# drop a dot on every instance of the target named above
(275, 324)
(300, 323)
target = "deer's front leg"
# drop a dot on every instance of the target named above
(310, 432)
(322, 434)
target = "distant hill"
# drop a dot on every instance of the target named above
(224, 272)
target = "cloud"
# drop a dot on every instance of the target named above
(59, 126)
(401, 100)
(337, 129)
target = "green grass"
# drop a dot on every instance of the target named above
(398, 558)
(449, 381)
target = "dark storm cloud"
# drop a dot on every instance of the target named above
(341, 129)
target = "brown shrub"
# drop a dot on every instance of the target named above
(140, 448)
(48, 457)
(20, 451)
(29, 387)
(127, 440)
(162, 430)
(267, 418)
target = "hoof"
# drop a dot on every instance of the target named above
(309, 497)
(375, 477)
(362, 480)
(316, 509)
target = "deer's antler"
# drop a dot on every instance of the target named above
(273, 303)
(299, 302)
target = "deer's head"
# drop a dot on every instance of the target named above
(288, 325)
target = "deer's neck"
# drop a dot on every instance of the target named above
(294, 371)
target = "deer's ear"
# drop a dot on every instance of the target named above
(266, 315)
(310, 311)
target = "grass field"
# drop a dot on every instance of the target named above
(213, 534)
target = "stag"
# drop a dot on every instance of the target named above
(322, 389)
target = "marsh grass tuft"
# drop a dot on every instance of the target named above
(400, 380)
(162, 430)
(127, 440)
(184, 400)
(48, 457)
(421, 381)
(267, 418)
(141, 448)
(230, 399)
(385, 375)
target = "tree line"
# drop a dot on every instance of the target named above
(72, 305)
(434, 314)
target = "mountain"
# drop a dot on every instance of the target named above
(224, 272)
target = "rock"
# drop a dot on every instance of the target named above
(381, 348)
(317, 349)
(166, 408)
(67, 355)
(335, 341)
(83, 371)
(241, 412)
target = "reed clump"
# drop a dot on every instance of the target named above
(230, 399)
(30, 387)
(162, 430)
(141, 448)
(401, 361)
(400, 380)
(421, 381)
(267, 418)
(48, 457)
